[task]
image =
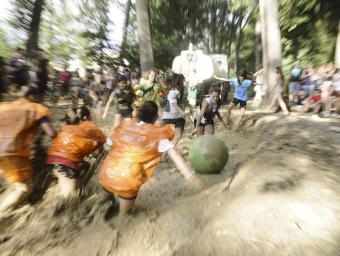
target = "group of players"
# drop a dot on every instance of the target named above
(136, 144)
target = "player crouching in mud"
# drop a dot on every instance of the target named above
(136, 151)
(77, 139)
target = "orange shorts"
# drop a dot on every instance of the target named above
(121, 178)
(15, 168)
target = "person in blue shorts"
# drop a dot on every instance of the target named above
(241, 84)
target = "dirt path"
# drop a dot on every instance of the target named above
(278, 195)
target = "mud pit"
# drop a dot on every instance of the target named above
(278, 195)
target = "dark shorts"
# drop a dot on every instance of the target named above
(178, 122)
(242, 103)
(65, 171)
(207, 122)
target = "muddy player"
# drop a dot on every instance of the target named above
(204, 117)
(137, 148)
(77, 139)
(124, 98)
(19, 125)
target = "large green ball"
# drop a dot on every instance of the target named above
(208, 154)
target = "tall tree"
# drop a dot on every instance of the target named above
(126, 24)
(26, 18)
(258, 45)
(239, 33)
(208, 25)
(337, 49)
(271, 41)
(144, 35)
(33, 33)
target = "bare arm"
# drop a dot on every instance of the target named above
(111, 98)
(48, 129)
(193, 181)
(180, 163)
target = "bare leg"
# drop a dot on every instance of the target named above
(178, 135)
(117, 120)
(230, 107)
(125, 205)
(98, 110)
(209, 129)
(324, 99)
(14, 194)
(243, 111)
(307, 107)
(273, 102)
(67, 186)
(282, 104)
(317, 108)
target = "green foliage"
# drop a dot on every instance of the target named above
(80, 29)
(59, 37)
(95, 16)
(5, 48)
(309, 29)
(209, 25)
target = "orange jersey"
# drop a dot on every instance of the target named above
(19, 126)
(133, 158)
(74, 142)
(15, 168)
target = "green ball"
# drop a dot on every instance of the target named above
(208, 154)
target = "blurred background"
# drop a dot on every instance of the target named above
(95, 32)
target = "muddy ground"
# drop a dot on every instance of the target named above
(278, 195)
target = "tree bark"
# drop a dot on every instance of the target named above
(337, 49)
(144, 35)
(214, 27)
(238, 43)
(33, 34)
(221, 25)
(258, 49)
(271, 42)
(126, 24)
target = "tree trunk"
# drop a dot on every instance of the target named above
(271, 42)
(238, 44)
(258, 49)
(33, 34)
(229, 39)
(126, 24)
(214, 27)
(337, 49)
(221, 26)
(263, 42)
(144, 35)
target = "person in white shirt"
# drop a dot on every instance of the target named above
(172, 113)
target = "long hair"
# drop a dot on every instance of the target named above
(242, 73)
(279, 72)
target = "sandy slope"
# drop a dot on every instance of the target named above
(278, 195)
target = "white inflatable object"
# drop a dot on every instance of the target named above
(196, 66)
